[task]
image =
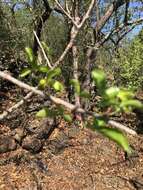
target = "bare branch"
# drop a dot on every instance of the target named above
(74, 35)
(115, 5)
(20, 103)
(121, 127)
(133, 24)
(43, 51)
(66, 13)
(21, 84)
(86, 16)
(68, 47)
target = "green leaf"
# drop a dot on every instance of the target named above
(132, 103)
(117, 136)
(43, 69)
(112, 92)
(67, 118)
(58, 86)
(99, 123)
(43, 113)
(75, 83)
(125, 95)
(99, 79)
(110, 97)
(25, 72)
(30, 55)
(46, 48)
(85, 94)
(43, 83)
(53, 73)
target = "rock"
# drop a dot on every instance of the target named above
(44, 132)
(19, 134)
(32, 144)
(7, 144)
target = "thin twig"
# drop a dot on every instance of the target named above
(121, 127)
(120, 28)
(43, 51)
(86, 16)
(66, 13)
(11, 109)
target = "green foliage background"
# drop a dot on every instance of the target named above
(129, 64)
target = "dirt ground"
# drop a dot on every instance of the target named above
(72, 159)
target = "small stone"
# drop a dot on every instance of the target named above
(7, 144)
(32, 144)
(19, 134)
(85, 141)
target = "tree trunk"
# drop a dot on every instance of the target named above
(39, 25)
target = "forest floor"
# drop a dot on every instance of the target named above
(71, 159)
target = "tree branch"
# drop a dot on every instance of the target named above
(76, 31)
(66, 13)
(43, 51)
(59, 101)
(115, 5)
(120, 28)
(11, 109)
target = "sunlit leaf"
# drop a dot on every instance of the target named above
(99, 123)
(43, 83)
(25, 72)
(112, 92)
(30, 55)
(45, 112)
(132, 103)
(53, 73)
(42, 113)
(117, 136)
(99, 78)
(43, 69)
(58, 86)
(75, 83)
(125, 95)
